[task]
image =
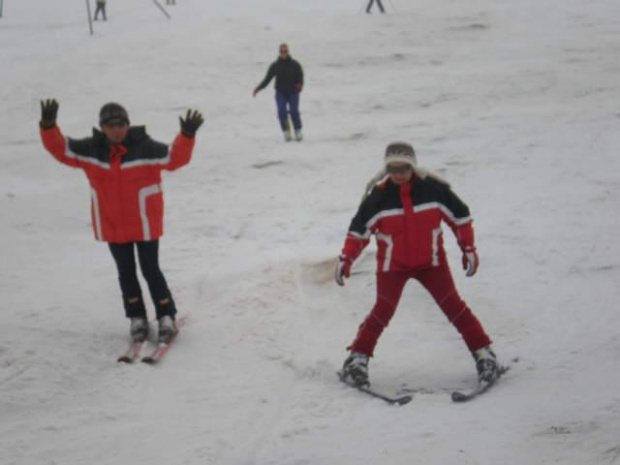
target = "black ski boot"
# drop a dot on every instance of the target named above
(355, 370)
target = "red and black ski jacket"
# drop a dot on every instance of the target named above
(406, 221)
(127, 203)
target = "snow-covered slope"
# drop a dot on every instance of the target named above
(514, 102)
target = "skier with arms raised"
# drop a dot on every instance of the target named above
(123, 166)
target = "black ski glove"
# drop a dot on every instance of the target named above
(193, 120)
(49, 111)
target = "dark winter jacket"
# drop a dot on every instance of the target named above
(407, 220)
(288, 73)
(127, 202)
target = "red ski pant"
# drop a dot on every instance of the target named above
(439, 283)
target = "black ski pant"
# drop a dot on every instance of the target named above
(148, 256)
(368, 8)
(100, 8)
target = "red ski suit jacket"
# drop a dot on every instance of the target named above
(127, 203)
(406, 221)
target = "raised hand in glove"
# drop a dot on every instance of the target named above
(49, 112)
(193, 120)
(343, 270)
(470, 261)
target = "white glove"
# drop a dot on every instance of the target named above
(470, 262)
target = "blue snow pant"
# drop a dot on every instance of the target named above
(292, 100)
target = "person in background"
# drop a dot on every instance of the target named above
(123, 166)
(379, 4)
(100, 7)
(289, 83)
(404, 211)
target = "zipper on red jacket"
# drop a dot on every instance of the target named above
(405, 198)
(116, 152)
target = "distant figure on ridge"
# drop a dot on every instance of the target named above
(100, 8)
(369, 7)
(289, 82)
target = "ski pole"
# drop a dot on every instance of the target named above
(163, 10)
(394, 7)
(90, 19)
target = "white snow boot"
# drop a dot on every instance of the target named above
(298, 135)
(287, 136)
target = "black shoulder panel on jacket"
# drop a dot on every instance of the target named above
(142, 147)
(374, 203)
(82, 147)
(446, 196)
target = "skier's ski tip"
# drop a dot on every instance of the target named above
(402, 400)
(464, 396)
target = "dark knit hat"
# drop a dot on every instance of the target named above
(400, 152)
(112, 111)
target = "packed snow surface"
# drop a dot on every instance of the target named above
(514, 102)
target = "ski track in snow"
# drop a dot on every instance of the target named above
(514, 102)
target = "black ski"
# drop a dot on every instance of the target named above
(402, 400)
(465, 396)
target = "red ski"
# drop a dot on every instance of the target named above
(158, 353)
(163, 347)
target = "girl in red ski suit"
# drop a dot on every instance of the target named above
(405, 211)
(123, 166)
